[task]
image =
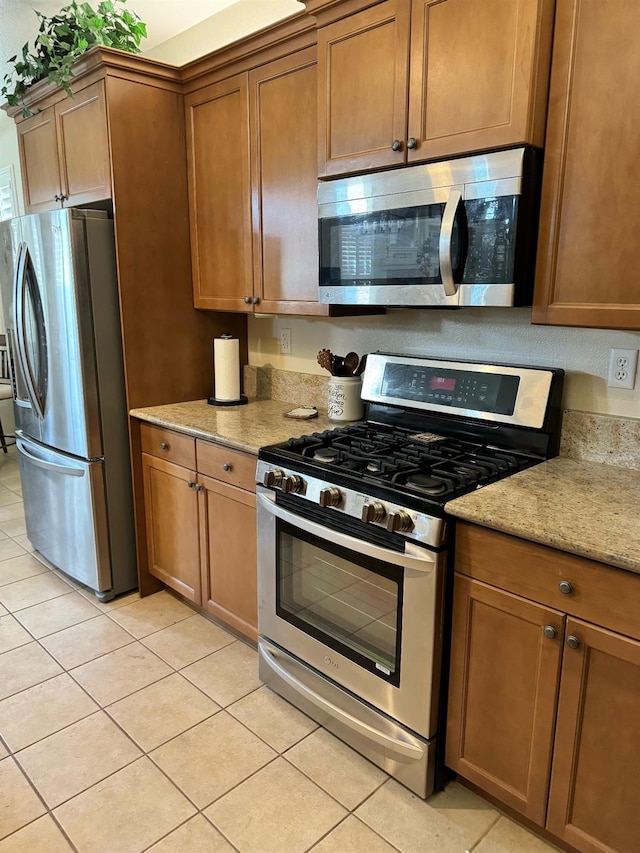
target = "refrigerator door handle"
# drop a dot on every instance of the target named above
(23, 357)
(70, 470)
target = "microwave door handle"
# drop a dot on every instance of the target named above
(415, 558)
(446, 236)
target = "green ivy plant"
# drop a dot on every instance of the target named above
(63, 38)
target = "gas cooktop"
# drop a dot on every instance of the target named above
(424, 465)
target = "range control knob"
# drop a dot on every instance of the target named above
(399, 520)
(329, 496)
(273, 478)
(374, 511)
(292, 483)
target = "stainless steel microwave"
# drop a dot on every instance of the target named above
(447, 234)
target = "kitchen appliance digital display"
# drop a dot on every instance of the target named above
(464, 389)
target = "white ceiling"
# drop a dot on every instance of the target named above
(227, 20)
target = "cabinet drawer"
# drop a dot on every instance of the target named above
(599, 594)
(176, 448)
(229, 466)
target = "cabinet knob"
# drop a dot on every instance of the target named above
(396, 145)
(64, 197)
(247, 300)
(412, 142)
(227, 467)
(57, 197)
(549, 632)
(164, 445)
(190, 483)
(573, 642)
(565, 587)
(198, 487)
(255, 300)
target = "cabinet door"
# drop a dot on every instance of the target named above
(593, 802)
(228, 531)
(284, 180)
(587, 270)
(171, 516)
(362, 92)
(220, 195)
(479, 75)
(83, 144)
(502, 694)
(39, 161)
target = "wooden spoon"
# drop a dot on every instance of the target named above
(351, 361)
(325, 360)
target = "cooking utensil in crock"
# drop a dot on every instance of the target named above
(351, 362)
(325, 359)
(337, 364)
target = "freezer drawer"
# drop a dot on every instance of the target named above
(65, 506)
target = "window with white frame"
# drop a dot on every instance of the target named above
(8, 198)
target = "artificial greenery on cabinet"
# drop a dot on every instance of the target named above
(63, 38)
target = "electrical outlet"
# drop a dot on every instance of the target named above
(622, 368)
(285, 341)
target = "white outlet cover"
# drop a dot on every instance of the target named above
(623, 364)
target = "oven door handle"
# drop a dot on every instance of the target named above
(393, 744)
(414, 557)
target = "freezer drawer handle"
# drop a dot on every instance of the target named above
(48, 466)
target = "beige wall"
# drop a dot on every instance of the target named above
(503, 334)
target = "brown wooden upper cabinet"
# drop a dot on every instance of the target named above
(64, 152)
(251, 142)
(410, 80)
(587, 271)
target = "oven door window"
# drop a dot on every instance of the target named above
(348, 601)
(388, 247)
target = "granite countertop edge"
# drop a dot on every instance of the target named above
(246, 428)
(567, 504)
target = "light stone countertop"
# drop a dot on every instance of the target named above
(586, 508)
(248, 428)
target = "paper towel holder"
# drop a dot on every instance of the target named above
(241, 401)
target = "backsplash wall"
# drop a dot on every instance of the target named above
(500, 334)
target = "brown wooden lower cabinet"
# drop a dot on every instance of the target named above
(171, 514)
(503, 689)
(201, 524)
(544, 706)
(228, 526)
(594, 802)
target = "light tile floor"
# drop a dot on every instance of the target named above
(139, 725)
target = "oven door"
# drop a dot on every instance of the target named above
(362, 614)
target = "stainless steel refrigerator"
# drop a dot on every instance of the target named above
(60, 300)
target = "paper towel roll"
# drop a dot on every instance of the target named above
(226, 366)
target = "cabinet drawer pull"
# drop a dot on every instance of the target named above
(164, 445)
(573, 642)
(412, 142)
(396, 145)
(565, 587)
(549, 632)
(227, 467)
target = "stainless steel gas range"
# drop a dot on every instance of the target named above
(354, 546)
